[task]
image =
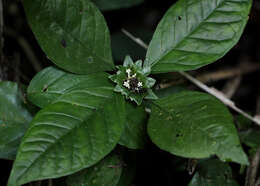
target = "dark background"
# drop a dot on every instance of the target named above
(154, 167)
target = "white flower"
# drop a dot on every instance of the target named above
(140, 84)
(128, 71)
(126, 84)
(133, 76)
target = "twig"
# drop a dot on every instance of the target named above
(220, 96)
(231, 86)
(211, 91)
(218, 75)
(252, 169)
(137, 40)
(241, 69)
(247, 176)
(26, 48)
(257, 182)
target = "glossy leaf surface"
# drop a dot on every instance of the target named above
(195, 125)
(51, 83)
(134, 135)
(213, 173)
(14, 119)
(73, 34)
(107, 172)
(74, 132)
(194, 33)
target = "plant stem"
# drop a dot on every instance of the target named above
(220, 96)
(257, 182)
(218, 75)
(252, 169)
(231, 86)
(137, 40)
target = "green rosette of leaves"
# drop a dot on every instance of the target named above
(133, 82)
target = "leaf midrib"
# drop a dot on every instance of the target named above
(106, 62)
(195, 29)
(51, 145)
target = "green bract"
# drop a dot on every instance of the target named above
(132, 81)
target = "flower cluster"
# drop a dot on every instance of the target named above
(132, 81)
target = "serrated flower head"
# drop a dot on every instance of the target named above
(133, 82)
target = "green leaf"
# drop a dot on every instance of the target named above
(213, 173)
(251, 138)
(116, 4)
(107, 172)
(195, 125)
(127, 176)
(51, 83)
(194, 33)
(14, 119)
(169, 91)
(73, 34)
(74, 132)
(134, 134)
